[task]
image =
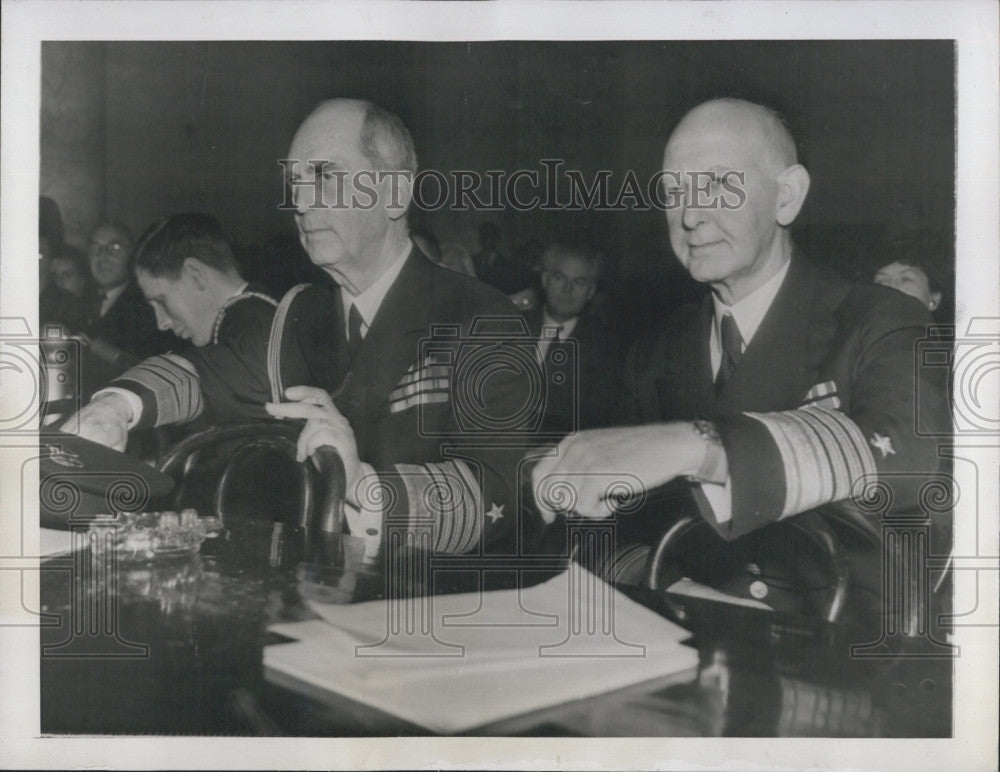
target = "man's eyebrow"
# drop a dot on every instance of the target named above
(300, 168)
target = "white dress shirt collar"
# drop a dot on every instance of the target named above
(565, 328)
(110, 297)
(748, 313)
(369, 301)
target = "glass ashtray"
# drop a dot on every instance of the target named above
(149, 536)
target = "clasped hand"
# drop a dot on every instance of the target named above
(589, 470)
(325, 425)
(105, 421)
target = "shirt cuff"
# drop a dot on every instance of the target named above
(363, 522)
(720, 499)
(365, 519)
(133, 400)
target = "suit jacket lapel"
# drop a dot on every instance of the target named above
(392, 343)
(772, 370)
(534, 320)
(685, 389)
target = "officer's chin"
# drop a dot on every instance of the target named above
(323, 248)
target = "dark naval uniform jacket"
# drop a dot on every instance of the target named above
(129, 324)
(439, 396)
(228, 382)
(581, 374)
(825, 401)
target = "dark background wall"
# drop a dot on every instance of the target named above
(133, 131)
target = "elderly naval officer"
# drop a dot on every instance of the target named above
(784, 387)
(352, 356)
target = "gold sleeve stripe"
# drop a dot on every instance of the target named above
(423, 398)
(441, 499)
(174, 385)
(823, 453)
(416, 387)
(447, 495)
(472, 523)
(415, 374)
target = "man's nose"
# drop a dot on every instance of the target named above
(299, 200)
(692, 217)
(163, 322)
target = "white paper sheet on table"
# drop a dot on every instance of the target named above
(472, 666)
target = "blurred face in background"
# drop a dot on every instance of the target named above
(569, 282)
(911, 280)
(69, 275)
(108, 254)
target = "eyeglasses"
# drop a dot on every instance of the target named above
(114, 247)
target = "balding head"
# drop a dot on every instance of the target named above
(351, 216)
(760, 128)
(737, 186)
(381, 136)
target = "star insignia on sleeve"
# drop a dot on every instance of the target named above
(496, 512)
(882, 443)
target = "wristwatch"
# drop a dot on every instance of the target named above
(714, 467)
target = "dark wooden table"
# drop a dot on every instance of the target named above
(176, 647)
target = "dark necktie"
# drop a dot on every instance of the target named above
(102, 296)
(732, 350)
(354, 322)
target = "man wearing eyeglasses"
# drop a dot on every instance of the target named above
(121, 328)
(576, 348)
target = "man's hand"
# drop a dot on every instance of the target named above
(105, 420)
(324, 426)
(654, 453)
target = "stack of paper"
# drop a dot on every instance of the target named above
(454, 662)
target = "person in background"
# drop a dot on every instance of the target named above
(453, 256)
(187, 272)
(508, 273)
(911, 265)
(457, 258)
(427, 243)
(530, 254)
(61, 281)
(581, 358)
(51, 230)
(69, 272)
(489, 251)
(121, 328)
(63, 291)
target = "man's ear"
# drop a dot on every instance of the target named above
(793, 185)
(196, 272)
(397, 188)
(935, 299)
